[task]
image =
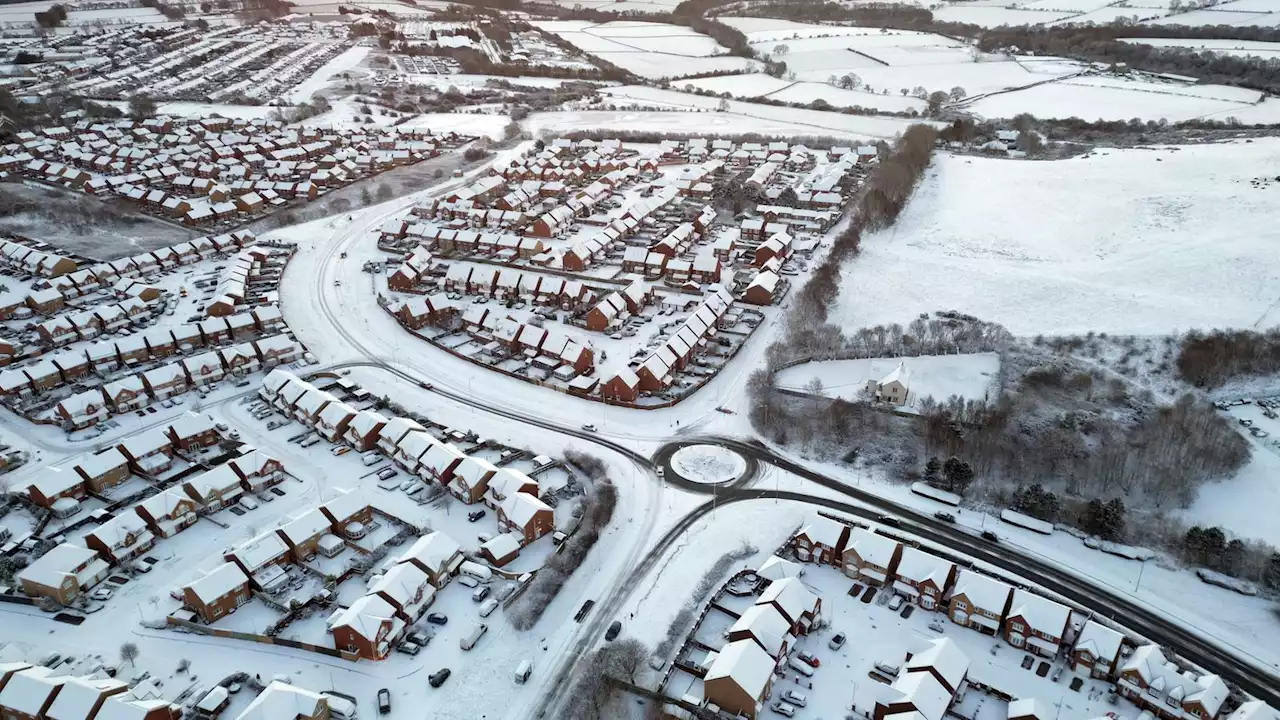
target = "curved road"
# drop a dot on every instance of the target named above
(1257, 680)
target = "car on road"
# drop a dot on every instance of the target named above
(784, 709)
(589, 427)
(990, 536)
(437, 619)
(836, 642)
(795, 698)
(425, 385)
(438, 677)
(384, 701)
(614, 628)
(475, 515)
(945, 517)
(337, 283)
(888, 520)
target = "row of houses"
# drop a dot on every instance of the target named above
(471, 479)
(131, 393)
(233, 282)
(657, 372)
(21, 257)
(502, 246)
(35, 692)
(107, 355)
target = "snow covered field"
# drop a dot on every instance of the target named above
(1246, 504)
(321, 78)
(1109, 98)
(1127, 241)
(651, 50)
(972, 376)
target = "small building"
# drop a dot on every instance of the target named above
(923, 578)
(407, 588)
(1097, 650)
(822, 540)
(369, 628)
(1036, 623)
(527, 516)
(168, 512)
(121, 539)
(794, 601)
(870, 557)
(436, 554)
(893, 388)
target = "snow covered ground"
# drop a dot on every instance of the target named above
(1122, 241)
(321, 78)
(970, 376)
(1111, 98)
(651, 50)
(1247, 503)
(708, 464)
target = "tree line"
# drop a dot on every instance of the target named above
(1211, 359)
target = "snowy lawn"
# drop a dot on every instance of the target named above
(971, 376)
(1127, 241)
(321, 78)
(709, 464)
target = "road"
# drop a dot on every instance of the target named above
(333, 323)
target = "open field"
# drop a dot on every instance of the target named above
(651, 50)
(1112, 98)
(1124, 241)
(82, 224)
(1239, 48)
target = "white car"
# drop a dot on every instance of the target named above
(101, 594)
(794, 698)
(248, 503)
(784, 709)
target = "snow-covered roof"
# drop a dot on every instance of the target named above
(776, 568)
(146, 443)
(872, 548)
(28, 690)
(79, 697)
(117, 531)
(503, 544)
(1030, 708)
(1168, 681)
(1041, 614)
(101, 463)
(924, 692)
(366, 616)
(790, 595)
(983, 592)
(261, 550)
(54, 480)
(1099, 640)
(919, 566)
(365, 421)
(253, 463)
(305, 526)
(432, 551)
(335, 412)
(822, 530)
(217, 479)
(944, 658)
(397, 427)
(281, 701)
(277, 379)
(164, 504)
(402, 584)
(218, 582)
(899, 374)
(472, 470)
(54, 566)
(766, 625)
(1255, 710)
(743, 662)
(190, 424)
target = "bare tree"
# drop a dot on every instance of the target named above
(129, 652)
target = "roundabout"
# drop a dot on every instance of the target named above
(703, 465)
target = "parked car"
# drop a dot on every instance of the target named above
(836, 642)
(101, 593)
(589, 427)
(408, 648)
(475, 515)
(784, 709)
(437, 618)
(480, 594)
(794, 698)
(371, 458)
(248, 503)
(614, 628)
(808, 659)
(438, 677)
(340, 450)
(387, 473)
(895, 602)
(384, 701)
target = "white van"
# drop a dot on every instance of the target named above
(801, 667)
(476, 570)
(487, 607)
(469, 640)
(523, 671)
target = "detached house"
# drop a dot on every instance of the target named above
(218, 593)
(193, 431)
(364, 429)
(740, 679)
(169, 512)
(63, 573)
(103, 470)
(766, 627)
(526, 515)
(821, 540)
(923, 578)
(1158, 685)
(794, 602)
(369, 628)
(407, 588)
(149, 453)
(870, 557)
(979, 602)
(1036, 623)
(121, 539)
(1097, 650)
(215, 489)
(436, 554)
(302, 534)
(81, 697)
